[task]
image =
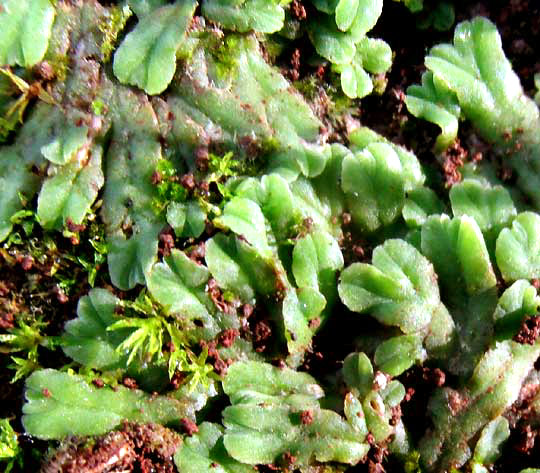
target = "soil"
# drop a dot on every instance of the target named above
(32, 277)
(135, 448)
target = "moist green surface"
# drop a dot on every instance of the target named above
(247, 235)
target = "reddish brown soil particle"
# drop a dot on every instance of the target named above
(204, 188)
(295, 59)
(177, 380)
(268, 468)
(306, 417)
(321, 71)
(166, 241)
(262, 333)
(201, 158)
(358, 251)
(251, 146)
(505, 173)
(197, 253)
(60, 295)
(354, 249)
(527, 393)
(477, 157)
(217, 297)
(298, 10)
(227, 337)
(375, 467)
(156, 178)
(26, 262)
(74, 227)
(434, 376)
(294, 72)
(289, 459)
(346, 218)
(279, 363)
(376, 457)
(135, 448)
(454, 158)
(396, 415)
(189, 427)
(520, 414)
(247, 310)
(220, 366)
(129, 383)
(314, 323)
(409, 394)
(188, 181)
(6, 320)
(210, 347)
(526, 439)
(529, 331)
(456, 402)
(98, 383)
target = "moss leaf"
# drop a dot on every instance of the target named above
(132, 227)
(490, 206)
(130, 259)
(204, 452)
(316, 260)
(419, 205)
(460, 415)
(518, 248)
(399, 288)
(14, 178)
(147, 56)
(265, 420)
(491, 440)
(358, 373)
(413, 174)
(245, 218)
(336, 46)
(253, 382)
(62, 149)
(373, 182)
(446, 242)
(70, 193)
(239, 268)
(86, 339)
(25, 28)
(178, 284)
(262, 434)
(346, 13)
(264, 16)
(398, 354)
(517, 302)
(435, 102)
(59, 404)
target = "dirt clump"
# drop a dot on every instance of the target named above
(135, 448)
